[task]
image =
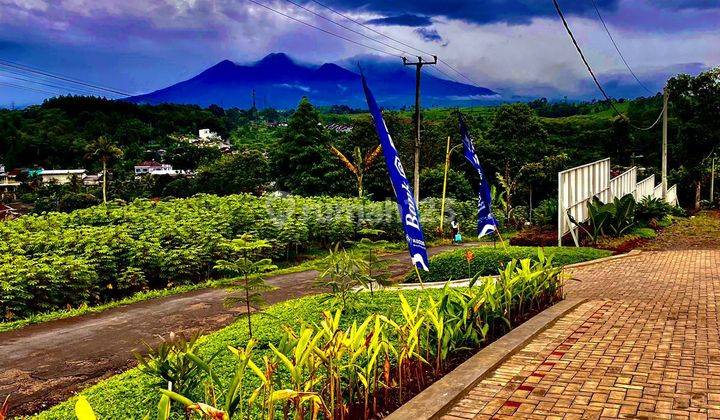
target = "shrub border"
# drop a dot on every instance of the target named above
(435, 400)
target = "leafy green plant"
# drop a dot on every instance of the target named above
(546, 213)
(342, 272)
(250, 269)
(172, 362)
(612, 219)
(377, 268)
(651, 208)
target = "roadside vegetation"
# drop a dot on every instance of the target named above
(309, 357)
(466, 263)
(104, 254)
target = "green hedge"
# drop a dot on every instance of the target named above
(106, 253)
(452, 265)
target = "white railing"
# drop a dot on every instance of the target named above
(625, 183)
(645, 188)
(577, 186)
(672, 196)
(657, 191)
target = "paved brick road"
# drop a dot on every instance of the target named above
(647, 345)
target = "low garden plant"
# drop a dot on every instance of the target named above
(305, 362)
(107, 253)
(488, 260)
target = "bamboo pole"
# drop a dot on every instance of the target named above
(444, 190)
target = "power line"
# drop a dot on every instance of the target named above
(6, 63)
(324, 30)
(13, 85)
(17, 76)
(397, 41)
(597, 83)
(371, 28)
(347, 28)
(597, 10)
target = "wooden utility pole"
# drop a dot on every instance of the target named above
(664, 144)
(416, 171)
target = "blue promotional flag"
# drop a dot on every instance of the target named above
(409, 212)
(486, 221)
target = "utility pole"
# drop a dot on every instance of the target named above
(254, 108)
(664, 143)
(712, 180)
(416, 172)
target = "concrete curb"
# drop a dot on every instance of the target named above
(633, 253)
(439, 397)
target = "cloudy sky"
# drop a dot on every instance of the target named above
(515, 47)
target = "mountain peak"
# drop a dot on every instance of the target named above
(275, 59)
(280, 82)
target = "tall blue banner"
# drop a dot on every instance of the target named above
(409, 211)
(486, 221)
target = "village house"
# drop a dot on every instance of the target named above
(151, 167)
(207, 138)
(60, 176)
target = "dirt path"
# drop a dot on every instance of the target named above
(43, 364)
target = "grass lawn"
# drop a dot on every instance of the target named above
(133, 394)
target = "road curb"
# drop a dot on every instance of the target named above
(633, 253)
(439, 397)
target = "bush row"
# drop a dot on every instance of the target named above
(487, 260)
(99, 254)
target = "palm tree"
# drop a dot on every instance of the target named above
(103, 150)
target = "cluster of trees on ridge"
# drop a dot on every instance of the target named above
(521, 146)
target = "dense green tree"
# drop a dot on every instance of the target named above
(302, 158)
(245, 172)
(516, 137)
(458, 187)
(696, 105)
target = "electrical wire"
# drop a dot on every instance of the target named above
(17, 76)
(347, 28)
(324, 30)
(612, 39)
(10, 64)
(592, 74)
(13, 85)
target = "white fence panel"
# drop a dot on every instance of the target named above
(672, 196)
(657, 191)
(625, 183)
(645, 188)
(576, 186)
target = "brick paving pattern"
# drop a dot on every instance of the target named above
(647, 345)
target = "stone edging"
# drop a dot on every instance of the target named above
(439, 397)
(633, 253)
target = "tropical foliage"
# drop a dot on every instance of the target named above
(101, 254)
(348, 366)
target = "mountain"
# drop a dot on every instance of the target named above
(280, 82)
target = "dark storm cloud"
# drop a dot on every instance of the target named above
(401, 20)
(508, 11)
(429, 34)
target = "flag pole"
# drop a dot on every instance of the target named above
(422, 285)
(444, 190)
